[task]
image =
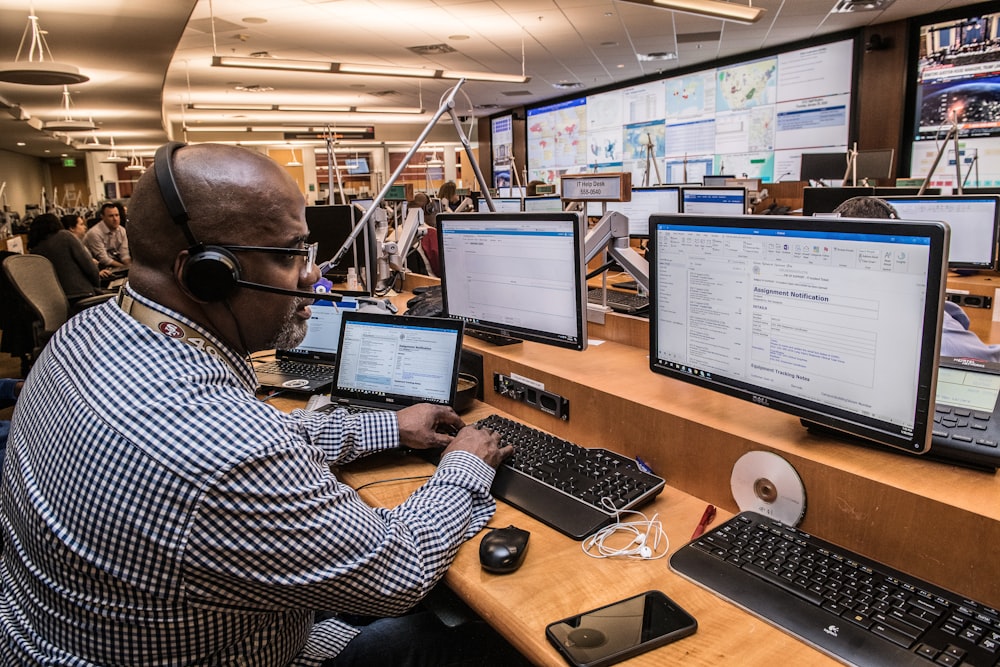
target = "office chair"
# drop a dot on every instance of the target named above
(34, 279)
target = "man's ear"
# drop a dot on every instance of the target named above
(178, 271)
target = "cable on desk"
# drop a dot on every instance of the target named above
(393, 479)
(646, 542)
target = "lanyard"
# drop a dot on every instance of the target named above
(171, 328)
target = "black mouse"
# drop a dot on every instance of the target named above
(502, 550)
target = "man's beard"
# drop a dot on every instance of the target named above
(292, 330)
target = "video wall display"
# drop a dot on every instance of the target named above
(752, 119)
(958, 81)
(502, 141)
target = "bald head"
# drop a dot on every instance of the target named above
(232, 195)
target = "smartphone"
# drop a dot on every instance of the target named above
(620, 630)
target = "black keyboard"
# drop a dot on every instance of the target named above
(853, 608)
(562, 484)
(297, 368)
(620, 302)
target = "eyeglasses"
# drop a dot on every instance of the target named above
(309, 252)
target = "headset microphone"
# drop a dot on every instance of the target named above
(210, 272)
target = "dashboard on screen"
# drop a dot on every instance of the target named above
(974, 221)
(519, 275)
(835, 320)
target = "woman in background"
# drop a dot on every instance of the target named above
(74, 266)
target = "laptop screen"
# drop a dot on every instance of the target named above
(397, 359)
(323, 335)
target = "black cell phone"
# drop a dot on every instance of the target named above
(620, 630)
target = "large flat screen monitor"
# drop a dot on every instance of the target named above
(823, 166)
(501, 205)
(547, 204)
(519, 275)
(714, 200)
(836, 320)
(329, 226)
(819, 201)
(645, 202)
(974, 220)
(875, 164)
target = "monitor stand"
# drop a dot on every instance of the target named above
(496, 339)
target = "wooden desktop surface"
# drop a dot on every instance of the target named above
(936, 521)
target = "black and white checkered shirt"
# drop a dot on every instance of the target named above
(154, 512)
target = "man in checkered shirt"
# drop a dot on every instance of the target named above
(154, 512)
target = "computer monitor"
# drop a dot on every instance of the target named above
(974, 222)
(835, 320)
(714, 200)
(644, 203)
(364, 203)
(519, 275)
(716, 179)
(823, 166)
(329, 226)
(874, 165)
(357, 166)
(501, 205)
(817, 201)
(546, 204)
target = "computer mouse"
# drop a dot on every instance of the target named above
(502, 550)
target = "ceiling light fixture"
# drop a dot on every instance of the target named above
(294, 162)
(715, 9)
(37, 71)
(67, 123)
(370, 70)
(135, 163)
(304, 108)
(93, 144)
(113, 157)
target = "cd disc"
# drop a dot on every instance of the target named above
(764, 482)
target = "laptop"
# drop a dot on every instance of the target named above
(310, 366)
(389, 362)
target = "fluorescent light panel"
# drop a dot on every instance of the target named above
(725, 11)
(370, 70)
(292, 108)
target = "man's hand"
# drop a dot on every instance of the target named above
(482, 442)
(426, 426)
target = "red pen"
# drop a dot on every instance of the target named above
(706, 519)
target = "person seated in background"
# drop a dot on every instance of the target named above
(75, 224)
(448, 194)
(107, 240)
(9, 389)
(957, 340)
(76, 270)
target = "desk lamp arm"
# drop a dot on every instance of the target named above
(611, 233)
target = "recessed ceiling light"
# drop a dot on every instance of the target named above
(609, 44)
(254, 19)
(458, 38)
(657, 55)
(21, 143)
(567, 85)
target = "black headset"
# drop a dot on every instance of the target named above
(211, 273)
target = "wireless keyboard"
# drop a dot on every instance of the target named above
(855, 609)
(562, 484)
(620, 302)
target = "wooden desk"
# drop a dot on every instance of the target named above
(557, 580)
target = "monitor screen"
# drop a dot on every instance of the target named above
(543, 204)
(515, 274)
(973, 220)
(714, 201)
(365, 203)
(836, 320)
(501, 205)
(357, 166)
(645, 202)
(329, 226)
(823, 167)
(818, 201)
(876, 164)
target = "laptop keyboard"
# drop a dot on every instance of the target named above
(298, 368)
(562, 484)
(857, 609)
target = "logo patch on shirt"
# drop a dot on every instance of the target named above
(170, 329)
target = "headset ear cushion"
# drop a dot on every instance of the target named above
(211, 273)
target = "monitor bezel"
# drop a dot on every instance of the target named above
(975, 266)
(871, 431)
(706, 188)
(576, 222)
